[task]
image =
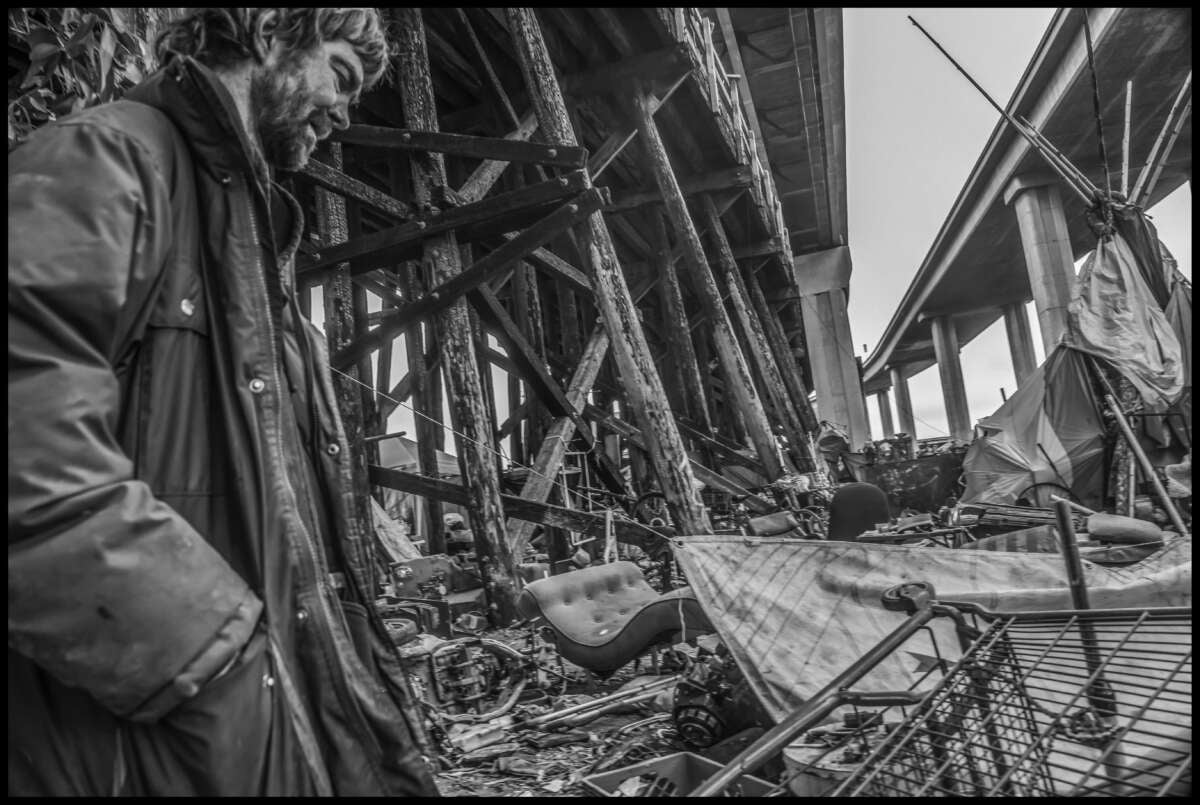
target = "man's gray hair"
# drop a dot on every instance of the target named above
(223, 37)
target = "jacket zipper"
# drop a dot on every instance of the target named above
(315, 561)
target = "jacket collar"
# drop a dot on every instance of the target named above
(200, 106)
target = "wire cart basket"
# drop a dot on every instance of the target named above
(1067, 703)
(1058, 703)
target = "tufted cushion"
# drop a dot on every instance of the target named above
(604, 616)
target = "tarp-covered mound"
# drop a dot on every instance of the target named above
(1117, 314)
(1050, 432)
(794, 613)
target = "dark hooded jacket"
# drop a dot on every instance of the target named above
(179, 483)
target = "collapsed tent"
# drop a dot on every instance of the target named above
(795, 613)
(1050, 432)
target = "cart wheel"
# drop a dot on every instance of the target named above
(904, 597)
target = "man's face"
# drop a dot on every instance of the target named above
(297, 99)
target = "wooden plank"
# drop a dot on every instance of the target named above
(617, 310)
(463, 145)
(384, 243)
(732, 361)
(488, 266)
(469, 414)
(626, 530)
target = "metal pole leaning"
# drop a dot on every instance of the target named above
(1020, 130)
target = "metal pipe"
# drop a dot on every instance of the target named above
(1052, 153)
(1070, 550)
(1135, 195)
(619, 696)
(822, 704)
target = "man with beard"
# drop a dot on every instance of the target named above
(189, 596)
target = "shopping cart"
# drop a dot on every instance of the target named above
(1067, 702)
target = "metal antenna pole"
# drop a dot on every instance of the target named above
(1020, 129)
(1087, 35)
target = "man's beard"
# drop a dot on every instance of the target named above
(283, 114)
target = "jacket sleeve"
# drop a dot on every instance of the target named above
(109, 589)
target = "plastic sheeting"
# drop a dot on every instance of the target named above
(794, 613)
(1049, 431)
(1114, 315)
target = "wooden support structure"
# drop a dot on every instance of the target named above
(638, 373)
(706, 476)
(678, 333)
(785, 358)
(732, 361)
(472, 420)
(757, 345)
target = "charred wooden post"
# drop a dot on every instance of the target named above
(426, 407)
(757, 345)
(678, 333)
(470, 416)
(737, 373)
(338, 293)
(527, 306)
(784, 357)
(616, 306)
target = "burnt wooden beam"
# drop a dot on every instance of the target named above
(463, 145)
(705, 475)
(594, 524)
(732, 361)
(737, 176)
(450, 292)
(383, 245)
(330, 178)
(616, 142)
(638, 373)
(720, 448)
(470, 415)
(485, 176)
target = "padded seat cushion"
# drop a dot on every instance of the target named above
(604, 616)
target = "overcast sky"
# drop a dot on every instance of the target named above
(914, 129)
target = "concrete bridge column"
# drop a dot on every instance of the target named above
(823, 278)
(904, 409)
(1047, 245)
(885, 414)
(1020, 341)
(954, 393)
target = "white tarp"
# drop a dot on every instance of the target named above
(794, 613)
